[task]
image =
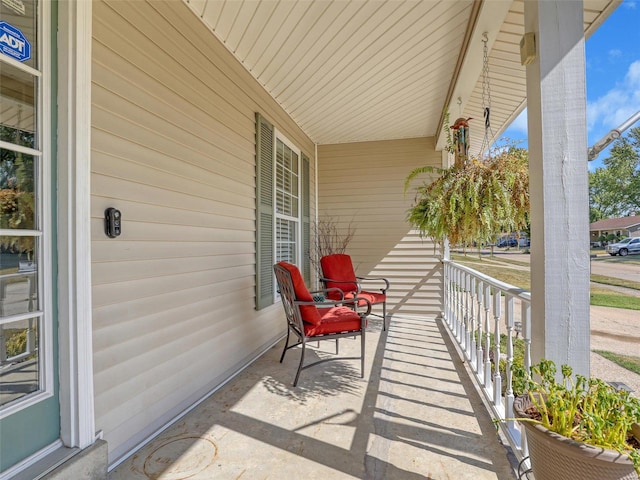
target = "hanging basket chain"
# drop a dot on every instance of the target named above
(486, 98)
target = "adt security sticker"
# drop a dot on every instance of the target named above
(14, 43)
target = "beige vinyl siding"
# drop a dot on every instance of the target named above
(173, 148)
(362, 184)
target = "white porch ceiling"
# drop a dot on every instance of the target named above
(354, 70)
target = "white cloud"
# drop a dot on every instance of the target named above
(605, 113)
(617, 105)
(614, 53)
(629, 4)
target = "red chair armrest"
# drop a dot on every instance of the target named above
(357, 301)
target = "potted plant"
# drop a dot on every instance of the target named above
(577, 427)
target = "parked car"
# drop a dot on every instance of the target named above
(624, 247)
(508, 242)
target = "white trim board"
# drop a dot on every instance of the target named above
(74, 236)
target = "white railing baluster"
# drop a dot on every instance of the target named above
(487, 338)
(448, 291)
(508, 395)
(445, 300)
(3, 346)
(454, 301)
(497, 380)
(459, 304)
(480, 353)
(464, 332)
(31, 337)
(471, 332)
(526, 334)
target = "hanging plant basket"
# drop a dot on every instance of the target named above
(474, 200)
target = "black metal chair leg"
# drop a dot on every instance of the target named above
(295, 382)
(362, 353)
(384, 316)
(337, 346)
(286, 344)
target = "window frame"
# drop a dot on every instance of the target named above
(43, 222)
(265, 211)
(276, 215)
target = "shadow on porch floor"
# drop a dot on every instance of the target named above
(415, 415)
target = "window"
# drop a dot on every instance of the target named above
(25, 322)
(282, 208)
(287, 166)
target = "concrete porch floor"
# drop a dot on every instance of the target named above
(415, 415)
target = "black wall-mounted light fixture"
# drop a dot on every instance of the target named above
(112, 222)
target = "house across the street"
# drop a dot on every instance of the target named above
(621, 227)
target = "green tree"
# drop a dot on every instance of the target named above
(614, 188)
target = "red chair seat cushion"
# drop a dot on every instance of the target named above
(309, 313)
(334, 320)
(373, 297)
(338, 266)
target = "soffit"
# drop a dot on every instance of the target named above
(352, 71)
(347, 71)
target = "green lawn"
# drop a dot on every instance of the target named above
(625, 361)
(615, 281)
(511, 261)
(517, 278)
(607, 298)
(631, 259)
(488, 259)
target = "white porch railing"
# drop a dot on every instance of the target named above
(477, 310)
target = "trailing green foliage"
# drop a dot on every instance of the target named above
(475, 200)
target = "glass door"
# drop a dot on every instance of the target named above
(29, 411)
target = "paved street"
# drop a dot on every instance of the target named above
(626, 268)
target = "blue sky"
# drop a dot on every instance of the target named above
(613, 76)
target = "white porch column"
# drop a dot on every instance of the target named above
(74, 232)
(556, 104)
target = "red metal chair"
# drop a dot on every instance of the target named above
(338, 272)
(309, 320)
